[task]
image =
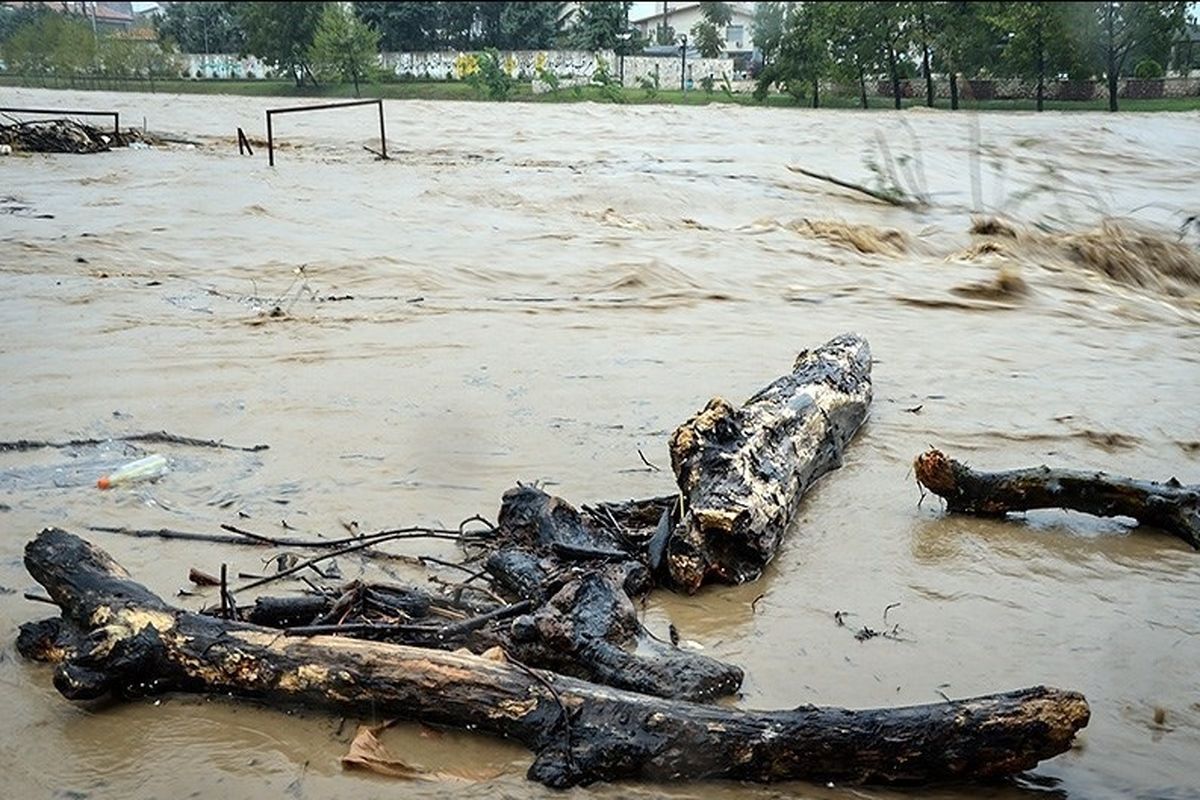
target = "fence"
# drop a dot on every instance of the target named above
(1023, 89)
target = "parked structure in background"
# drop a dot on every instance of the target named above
(682, 17)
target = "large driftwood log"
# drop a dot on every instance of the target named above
(115, 636)
(1169, 506)
(742, 471)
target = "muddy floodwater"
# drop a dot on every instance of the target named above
(538, 292)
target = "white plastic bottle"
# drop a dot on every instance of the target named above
(144, 469)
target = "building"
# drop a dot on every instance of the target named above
(683, 16)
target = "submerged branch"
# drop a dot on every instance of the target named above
(1170, 506)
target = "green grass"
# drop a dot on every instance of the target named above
(454, 90)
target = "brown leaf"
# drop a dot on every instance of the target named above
(367, 752)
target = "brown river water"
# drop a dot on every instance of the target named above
(536, 292)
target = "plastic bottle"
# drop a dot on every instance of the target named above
(144, 469)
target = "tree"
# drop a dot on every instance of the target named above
(14, 18)
(964, 40)
(803, 57)
(707, 33)
(1128, 27)
(456, 25)
(925, 36)
(857, 49)
(599, 25)
(344, 46)
(281, 32)
(202, 27)
(405, 27)
(529, 26)
(768, 29)
(1037, 40)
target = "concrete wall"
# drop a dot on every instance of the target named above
(223, 66)
(571, 66)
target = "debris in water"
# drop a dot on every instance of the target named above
(863, 238)
(992, 226)
(1007, 284)
(62, 136)
(1137, 255)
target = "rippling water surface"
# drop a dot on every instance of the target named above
(536, 292)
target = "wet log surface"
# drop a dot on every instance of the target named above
(116, 637)
(1169, 506)
(743, 470)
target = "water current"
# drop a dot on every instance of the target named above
(537, 292)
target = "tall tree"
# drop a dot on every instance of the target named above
(281, 32)
(895, 23)
(1037, 40)
(58, 45)
(1126, 27)
(768, 29)
(14, 18)
(403, 27)
(202, 27)
(857, 48)
(708, 33)
(344, 46)
(803, 56)
(529, 26)
(964, 40)
(598, 26)
(925, 33)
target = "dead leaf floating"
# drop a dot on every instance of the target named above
(368, 752)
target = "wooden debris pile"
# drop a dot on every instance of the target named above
(59, 136)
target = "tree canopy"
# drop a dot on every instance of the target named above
(281, 32)
(202, 27)
(344, 46)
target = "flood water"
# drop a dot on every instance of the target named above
(536, 292)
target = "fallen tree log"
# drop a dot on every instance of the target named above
(1170, 506)
(569, 578)
(116, 637)
(742, 471)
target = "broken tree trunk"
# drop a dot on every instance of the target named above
(1169, 506)
(742, 471)
(115, 636)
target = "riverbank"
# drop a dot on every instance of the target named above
(457, 90)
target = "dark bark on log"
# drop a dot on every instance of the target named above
(1169, 506)
(587, 625)
(132, 643)
(742, 471)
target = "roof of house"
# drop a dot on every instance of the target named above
(120, 13)
(738, 9)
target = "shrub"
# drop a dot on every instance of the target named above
(1148, 69)
(650, 84)
(490, 78)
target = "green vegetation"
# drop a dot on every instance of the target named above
(344, 47)
(65, 50)
(706, 34)
(808, 49)
(806, 43)
(489, 77)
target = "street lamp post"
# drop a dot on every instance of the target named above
(624, 36)
(683, 62)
